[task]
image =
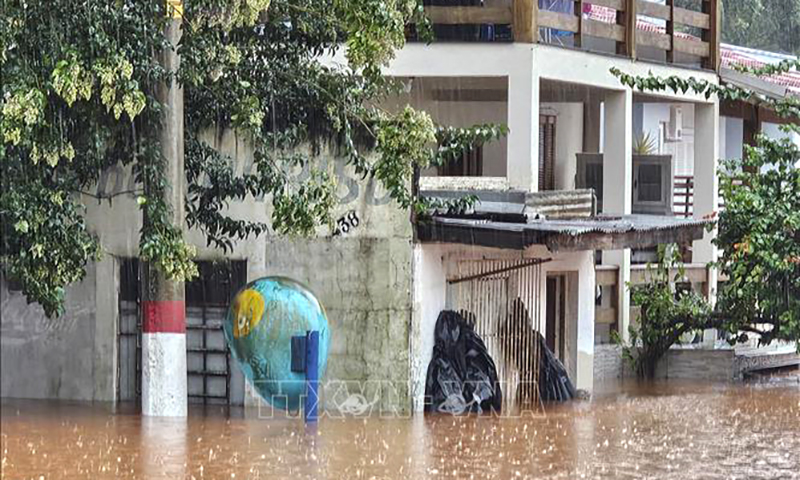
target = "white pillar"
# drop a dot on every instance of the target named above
(618, 187)
(586, 293)
(522, 167)
(706, 192)
(164, 374)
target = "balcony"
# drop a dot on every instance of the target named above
(638, 29)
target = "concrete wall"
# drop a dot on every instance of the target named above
(697, 364)
(608, 363)
(364, 281)
(71, 357)
(362, 278)
(678, 364)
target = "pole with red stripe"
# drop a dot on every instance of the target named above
(163, 306)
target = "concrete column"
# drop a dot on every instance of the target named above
(586, 294)
(164, 307)
(706, 192)
(106, 330)
(522, 167)
(618, 187)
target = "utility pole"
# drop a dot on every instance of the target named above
(163, 302)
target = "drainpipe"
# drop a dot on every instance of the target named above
(163, 302)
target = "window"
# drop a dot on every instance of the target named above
(652, 184)
(649, 189)
(470, 164)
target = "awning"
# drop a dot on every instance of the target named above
(602, 232)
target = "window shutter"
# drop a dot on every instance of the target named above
(469, 164)
(547, 152)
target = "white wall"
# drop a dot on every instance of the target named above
(429, 285)
(682, 152)
(467, 114)
(569, 140)
(734, 137)
(773, 130)
(582, 265)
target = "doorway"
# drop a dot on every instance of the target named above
(561, 319)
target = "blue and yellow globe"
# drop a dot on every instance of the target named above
(261, 321)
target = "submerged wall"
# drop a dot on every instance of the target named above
(71, 357)
(362, 277)
(678, 364)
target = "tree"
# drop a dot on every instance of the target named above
(666, 313)
(772, 25)
(759, 241)
(78, 96)
(758, 233)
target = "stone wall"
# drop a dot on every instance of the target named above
(697, 364)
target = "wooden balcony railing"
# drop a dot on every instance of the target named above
(621, 21)
(607, 277)
(683, 203)
(683, 196)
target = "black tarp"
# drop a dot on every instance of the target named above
(516, 332)
(461, 376)
(554, 382)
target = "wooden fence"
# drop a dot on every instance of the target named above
(623, 27)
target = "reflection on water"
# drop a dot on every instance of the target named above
(654, 431)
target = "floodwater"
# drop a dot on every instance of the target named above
(661, 430)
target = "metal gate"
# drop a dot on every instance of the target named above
(502, 299)
(208, 360)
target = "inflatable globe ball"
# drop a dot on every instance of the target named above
(261, 321)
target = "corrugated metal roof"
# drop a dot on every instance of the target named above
(575, 227)
(597, 233)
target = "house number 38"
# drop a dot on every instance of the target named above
(346, 223)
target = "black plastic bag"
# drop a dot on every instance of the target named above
(461, 376)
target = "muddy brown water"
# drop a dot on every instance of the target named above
(660, 430)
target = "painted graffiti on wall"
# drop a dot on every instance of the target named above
(120, 180)
(22, 323)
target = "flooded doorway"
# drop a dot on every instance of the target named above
(211, 377)
(502, 299)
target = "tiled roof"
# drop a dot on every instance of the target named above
(731, 55)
